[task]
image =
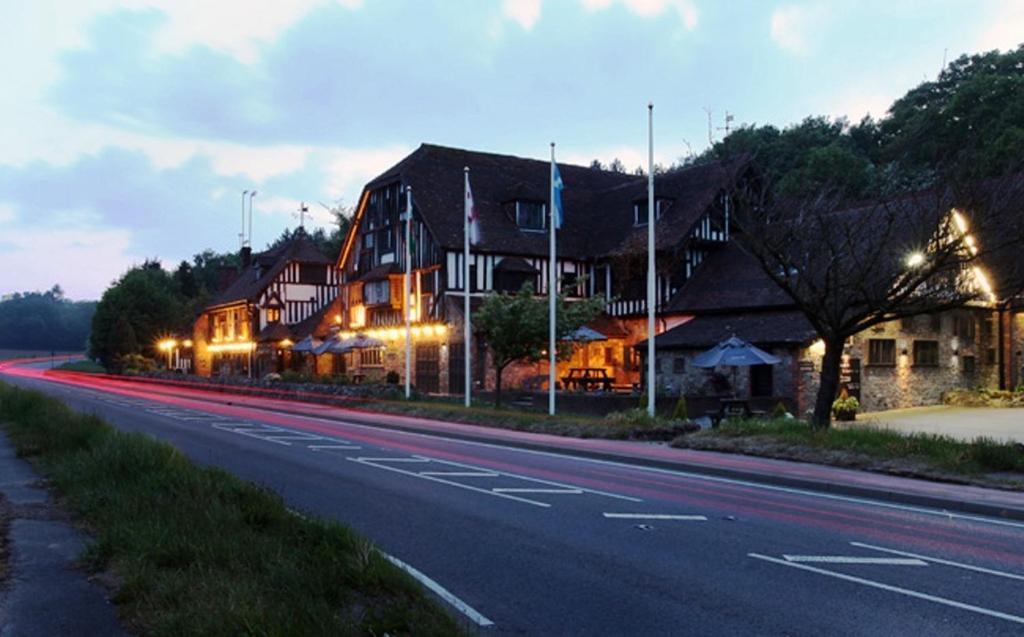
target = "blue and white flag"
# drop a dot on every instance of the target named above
(556, 194)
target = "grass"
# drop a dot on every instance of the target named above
(980, 456)
(198, 551)
(616, 425)
(86, 366)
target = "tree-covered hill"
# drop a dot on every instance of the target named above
(45, 321)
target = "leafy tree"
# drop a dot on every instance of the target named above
(516, 327)
(847, 270)
(143, 305)
(617, 166)
(596, 165)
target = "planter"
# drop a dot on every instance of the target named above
(846, 415)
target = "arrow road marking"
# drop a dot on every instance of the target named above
(893, 589)
(936, 560)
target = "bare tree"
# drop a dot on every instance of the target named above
(849, 268)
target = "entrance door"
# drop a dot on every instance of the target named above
(761, 381)
(428, 368)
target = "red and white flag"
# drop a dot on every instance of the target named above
(472, 217)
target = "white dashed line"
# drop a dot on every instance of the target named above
(656, 516)
(849, 559)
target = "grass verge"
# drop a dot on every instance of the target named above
(621, 425)
(198, 551)
(928, 455)
(88, 367)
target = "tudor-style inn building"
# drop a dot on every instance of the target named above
(707, 289)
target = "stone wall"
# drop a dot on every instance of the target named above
(905, 384)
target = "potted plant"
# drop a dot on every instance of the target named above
(845, 407)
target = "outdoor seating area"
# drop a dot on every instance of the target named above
(587, 379)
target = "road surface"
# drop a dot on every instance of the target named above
(533, 543)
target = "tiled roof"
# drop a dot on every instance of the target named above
(729, 279)
(251, 281)
(598, 204)
(760, 328)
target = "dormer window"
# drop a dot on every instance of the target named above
(530, 215)
(640, 210)
(273, 315)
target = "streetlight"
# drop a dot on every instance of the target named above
(241, 236)
(251, 195)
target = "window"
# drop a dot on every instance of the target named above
(368, 240)
(313, 274)
(926, 353)
(988, 327)
(273, 315)
(935, 322)
(371, 358)
(679, 365)
(386, 241)
(609, 356)
(967, 365)
(990, 356)
(640, 210)
(569, 283)
(530, 215)
(377, 292)
(963, 326)
(882, 351)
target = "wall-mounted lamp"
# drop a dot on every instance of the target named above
(904, 351)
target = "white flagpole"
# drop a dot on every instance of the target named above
(405, 290)
(465, 283)
(651, 288)
(552, 291)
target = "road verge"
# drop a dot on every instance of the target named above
(198, 551)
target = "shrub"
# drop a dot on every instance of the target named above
(845, 403)
(779, 411)
(679, 412)
(642, 404)
(136, 363)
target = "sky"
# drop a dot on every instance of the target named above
(130, 128)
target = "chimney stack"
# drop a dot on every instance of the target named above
(246, 256)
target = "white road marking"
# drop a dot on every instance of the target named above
(970, 567)
(556, 491)
(656, 516)
(440, 591)
(461, 474)
(893, 589)
(467, 487)
(519, 476)
(347, 447)
(849, 559)
(291, 437)
(679, 473)
(403, 459)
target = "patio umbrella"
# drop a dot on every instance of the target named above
(734, 352)
(585, 334)
(308, 344)
(337, 345)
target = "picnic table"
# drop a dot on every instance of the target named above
(587, 379)
(733, 408)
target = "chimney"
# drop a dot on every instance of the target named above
(246, 256)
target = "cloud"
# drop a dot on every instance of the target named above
(1004, 30)
(794, 27)
(523, 12)
(651, 8)
(82, 260)
(7, 213)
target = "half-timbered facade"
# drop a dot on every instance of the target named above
(275, 300)
(601, 248)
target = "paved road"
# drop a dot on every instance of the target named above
(552, 545)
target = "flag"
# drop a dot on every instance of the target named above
(472, 216)
(556, 195)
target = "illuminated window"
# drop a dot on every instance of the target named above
(273, 315)
(371, 358)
